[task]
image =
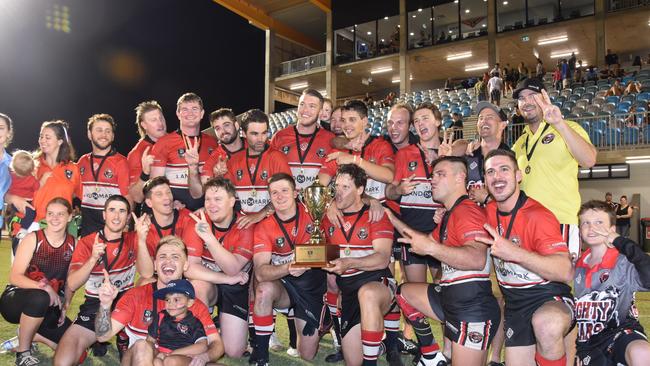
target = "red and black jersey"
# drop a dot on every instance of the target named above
(101, 177)
(463, 289)
(134, 158)
(181, 222)
(118, 260)
(235, 240)
(356, 234)
(279, 237)
(305, 153)
(376, 151)
(250, 176)
(535, 229)
(418, 207)
(135, 311)
(208, 168)
(49, 262)
(169, 153)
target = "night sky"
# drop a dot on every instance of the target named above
(117, 54)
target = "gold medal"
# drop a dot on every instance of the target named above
(96, 188)
(347, 251)
(254, 192)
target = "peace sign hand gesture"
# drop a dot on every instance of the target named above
(202, 227)
(552, 113)
(609, 235)
(445, 147)
(500, 246)
(141, 226)
(407, 186)
(192, 151)
(221, 167)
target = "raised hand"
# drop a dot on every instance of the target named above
(437, 216)
(445, 148)
(146, 160)
(107, 292)
(609, 235)
(192, 151)
(202, 227)
(221, 167)
(141, 225)
(406, 186)
(430, 155)
(420, 243)
(98, 249)
(499, 246)
(552, 113)
(473, 145)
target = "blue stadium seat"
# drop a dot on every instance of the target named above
(585, 125)
(612, 99)
(628, 98)
(631, 135)
(612, 136)
(643, 97)
(596, 136)
(600, 124)
(467, 111)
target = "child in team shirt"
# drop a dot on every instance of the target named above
(177, 332)
(24, 184)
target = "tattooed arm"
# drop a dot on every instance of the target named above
(105, 326)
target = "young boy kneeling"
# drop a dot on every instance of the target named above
(607, 275)
(177, 334)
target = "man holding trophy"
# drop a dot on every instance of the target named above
(283, 283)
(367, 286)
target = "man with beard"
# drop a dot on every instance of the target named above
(104, 172)
(490, 125)
(151, 126)
(305, 144)
(532, 264)
(250, 168)
(280, 284)
(226, 128)
(109, 250)
(463, 300)
(186, 149)
(336, 124)
(367, 286)
(549, 152)
(219, 259)
(137, 310)
(164, 219)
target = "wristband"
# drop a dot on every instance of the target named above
(144, 177)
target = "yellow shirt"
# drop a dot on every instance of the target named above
(551, 175)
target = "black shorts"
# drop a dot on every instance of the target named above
(350, 309)
(495, 94)
(473, 328)
(518, 317)
(306, 294)
(88, 311)
(233, 300)
(609, 350)
(403, 253)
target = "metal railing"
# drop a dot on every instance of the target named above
(302, 64)
(613, 132)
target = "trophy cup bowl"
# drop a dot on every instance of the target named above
(316, 253)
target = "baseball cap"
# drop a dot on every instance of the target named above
(176, 287)
(482, 105)
(533, 84)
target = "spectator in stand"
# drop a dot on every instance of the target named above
(616, 72)
(449, 85)
(495, 69)
(608, 200)
(572, 65)
(565, 72)
(511, 80)
(611, 59)
(624, 213)
(557, 78)
(637, 62)
(481, 87)
(368, 100)
(517, 118)
(494, 86)
(616, 89)
(457, 126)
(633, 87)
(523, 72)
(390, 98)
(592, 75)
(578, 76)
(539, 69)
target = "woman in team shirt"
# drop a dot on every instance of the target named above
(35, 296)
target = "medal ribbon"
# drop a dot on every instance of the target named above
(529, 155)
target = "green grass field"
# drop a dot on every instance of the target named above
(277, 358)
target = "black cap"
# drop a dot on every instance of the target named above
(484, 104)
(533, 84)
(176, 287)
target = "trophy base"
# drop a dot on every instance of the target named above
(315, 255)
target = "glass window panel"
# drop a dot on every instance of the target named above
(576, 8)
(473, 18)
(511, 14)
(445, 22)
(365, 40)
(419, 30)
(344, 45)
(543, 12)
(388, 29)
